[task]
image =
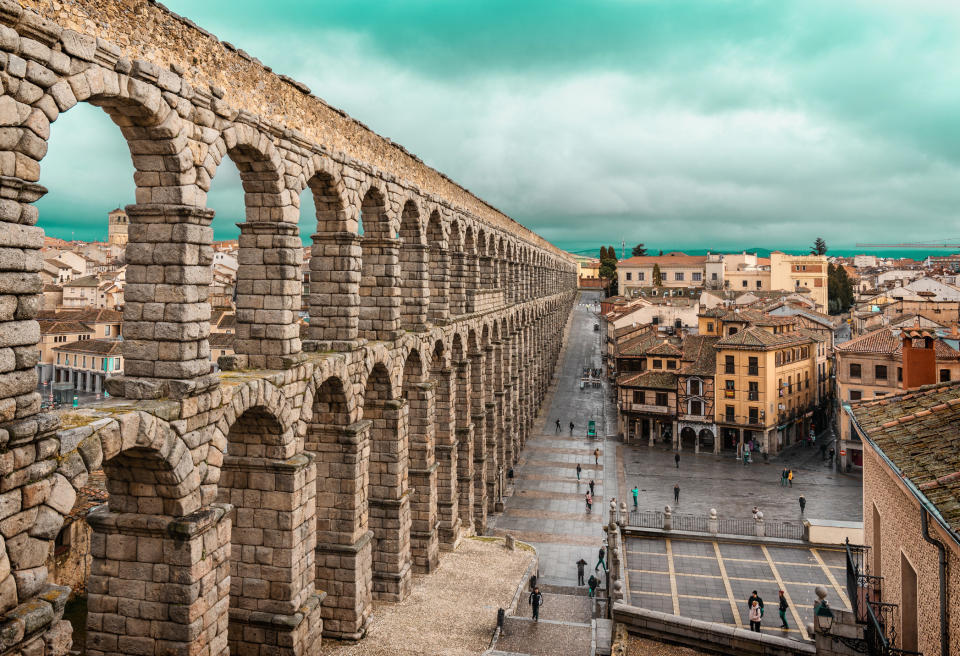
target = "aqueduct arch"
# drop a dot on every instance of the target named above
(323, 465)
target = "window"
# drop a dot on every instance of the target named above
(709, 326)
(106, 331)
(944, 375)
(899, 374)
(697, 276)
(753, 391)
(759, 284)
(713, 276)
(658, 364)
(629, 276)
(854, 370)
(696, 408)
(661, 398)
(695, 387)
(754, 416)
(753, 367)
(678, 275)
(856, 395)
(733, 331)
(671, 364)
(728, 389)
(728, 364)
(84, 361)
(744, 283)
(728, 414)
(58, 358)
(637, 396)
(880, 372)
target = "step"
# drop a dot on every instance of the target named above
(544, 638)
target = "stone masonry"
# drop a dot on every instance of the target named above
(254, 510)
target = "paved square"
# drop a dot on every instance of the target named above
(711, 581)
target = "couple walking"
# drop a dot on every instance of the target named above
(786, 477)
(755, 604)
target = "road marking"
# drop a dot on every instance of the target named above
(832, 579)
(673, 579)
(726, 584)
(786, 593)
(662, 573)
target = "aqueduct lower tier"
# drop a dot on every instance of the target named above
(254, 509)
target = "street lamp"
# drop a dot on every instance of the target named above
(824, 617)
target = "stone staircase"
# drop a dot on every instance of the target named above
(566, 628)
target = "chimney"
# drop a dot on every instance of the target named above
(919, 357)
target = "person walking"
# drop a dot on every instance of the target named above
(676, 460)
(783, 611)
(754, 597)
(676, 492)
(589, 499)
(591, 486)
(596, 456)
(592, 584)
(579, 469)
(571, 428)
(636, 492)
(600, 561)
(783, 477)
(580, 565)
(832, 454)
(803, 504)
(536, 600)
(558, 427)
(790, 477)
(756, 616)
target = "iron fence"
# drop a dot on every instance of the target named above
(786, 530)
(701, 524)
(734, 526)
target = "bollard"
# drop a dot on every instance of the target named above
(759, 524)
(508, 541)
(713, 522)
(667, 518)
(624, 517)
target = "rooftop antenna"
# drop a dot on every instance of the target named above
(623, 249)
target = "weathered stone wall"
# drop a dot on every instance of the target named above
(254, 509)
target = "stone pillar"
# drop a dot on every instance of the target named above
(439, 271)
(458, 292)
(414, 284)
(166, 313)
(380, 289)
(424, 545)
(335, 264)
(487, 274)
(274, 608)
(159, 584)
(98, 382)
(465, 444)
(478, 418)
(268, 295)
(389, 499)
(446, 448)
(344, 564)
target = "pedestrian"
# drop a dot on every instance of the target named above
(676, 460)
(558, 426)
(803, 504)
(676, 492)
(580, 565)
(635, 492)
(754, 597)
(756, 615)
(790, 477)
(571, 428)
(600, 561)
(783, 477)
(579, 469)
(589, 499)
(596, 456)
(591, 486)
(832, 453)
(783, 611)
(592, 583)
(536, 600)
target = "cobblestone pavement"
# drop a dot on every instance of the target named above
(711, 581)
(547, 508)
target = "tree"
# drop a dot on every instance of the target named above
(639, 250)
(608, 268)
(657, 276)
(603, 253)
(819, 247)
(839, 289)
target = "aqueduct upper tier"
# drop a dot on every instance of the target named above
(254, 509)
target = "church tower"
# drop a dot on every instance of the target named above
(117, 224)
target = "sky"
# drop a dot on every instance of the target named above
(700, 124)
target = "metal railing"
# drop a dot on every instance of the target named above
(736, 526)
(785, 530)
(725, 526)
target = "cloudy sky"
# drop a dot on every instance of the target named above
(679, 123)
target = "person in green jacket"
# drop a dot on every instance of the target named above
(783, 611)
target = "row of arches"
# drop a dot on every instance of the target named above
(333, 497)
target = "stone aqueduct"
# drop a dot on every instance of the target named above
(253, 509)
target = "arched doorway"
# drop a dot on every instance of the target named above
(688, 438)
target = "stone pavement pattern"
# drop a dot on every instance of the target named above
(253, 509)
(712, 580)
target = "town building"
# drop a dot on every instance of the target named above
(871, 366)
(85, 364)
(911, 512)
(118, 226)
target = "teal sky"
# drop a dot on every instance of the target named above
(707, 123)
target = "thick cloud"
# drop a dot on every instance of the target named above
(686, 123)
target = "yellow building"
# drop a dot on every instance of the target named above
(766, 384)
(792, 271)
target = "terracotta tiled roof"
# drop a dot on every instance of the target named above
(699, 356)
(714, 312)
(85, 281)
(917, 431)
(669, 260)
(665, 348)
(86, 315)
(61, 327)
(887, 341)
(221, 340)
(92, 346)
(759, 338)
(649, 379)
